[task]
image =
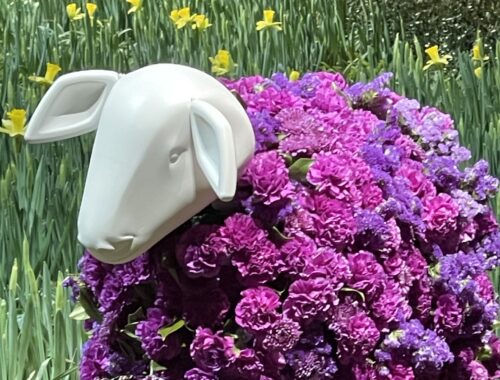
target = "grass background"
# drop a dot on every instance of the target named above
(41, 186)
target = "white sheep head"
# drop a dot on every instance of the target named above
(170, 140)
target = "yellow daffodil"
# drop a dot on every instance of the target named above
(478, 72)
(222, 63)
(267, 22)
(136, 5)
(477, 54)
(74, 13)
(200, 22)
(16, 124)
(294, 75)
(50, 74)
(181, 17)
(91, 8)
(435, 58)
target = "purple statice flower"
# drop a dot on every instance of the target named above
(265, 129)
(410, 149)
(72, 283)
(468, 206)
(200, 252)
(304, 365)
(456, 271)
(159, 349)
(443, 172)
(212, 351)
(257, 310)
(426, 351)
(448, 314)
(477, 180)
(358, 91)
(440, 214)
(386, 158)
(357, 337)
(310, 300)
(372, 230)
(368, 275)
(199, 374)
(306, 87)
(268, 175)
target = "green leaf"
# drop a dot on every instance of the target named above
(280, 234)
(170, 329)
(354, 291)
(79, 313)
(299, 168)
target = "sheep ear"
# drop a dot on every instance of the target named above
(214, 148)
(71, 107)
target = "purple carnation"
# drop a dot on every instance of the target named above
(199, 374)
(200, 252)
(440, 214)
(159, 349)
(257, 310)
(357, 336)
(268, 175)
(212, 351)
(367, 274)
(310, 300)
(448, 314)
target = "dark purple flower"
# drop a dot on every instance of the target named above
(156, 347)
(282, 336)
(212, 351)
(199, 374)
(448, 314)
(200, 252)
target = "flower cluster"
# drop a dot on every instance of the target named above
(356, 248)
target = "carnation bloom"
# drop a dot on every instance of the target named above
(212, 351)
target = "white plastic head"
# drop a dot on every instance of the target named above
(170, 140)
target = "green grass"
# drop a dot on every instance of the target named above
(41, 186)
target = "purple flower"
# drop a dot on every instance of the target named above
(282, 336)
(357, 336)
(205, 305)
(257, 310)
(212, 351)
(448, 314)
(268, 175)
(310, 300)
(367, 274)
(246, 366)
(333, 220)
(199, 374)
(477, 371)
(440, 214)
(200, 251)
(159, 349)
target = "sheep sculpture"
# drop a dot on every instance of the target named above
(355, 247)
